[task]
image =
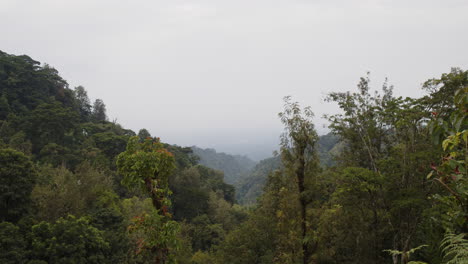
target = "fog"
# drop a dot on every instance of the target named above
(213, 73)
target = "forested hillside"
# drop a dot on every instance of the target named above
(387, 185)
(250, 186)
(61, 198)
(233, 166)
(397, 194)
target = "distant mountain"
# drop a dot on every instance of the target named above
(328, 146)
(233, 166)
(250, 187)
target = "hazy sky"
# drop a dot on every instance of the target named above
(213, 73)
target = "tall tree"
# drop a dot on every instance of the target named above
(99, 111)
(148, 164)
(298, 152)
(143, 134)
(68, 240)
(17, 178)
(84, 105)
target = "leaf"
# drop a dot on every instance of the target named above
(445, 144)
(429, 175)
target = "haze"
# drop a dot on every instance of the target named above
(213, 73)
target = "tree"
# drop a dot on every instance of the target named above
(387, 149)
(452, 174)
(61, 192)
(4, 107)
(148, 165)
(12, 244)
(143, 134)
(84, 105)
(50, 123)
(361, 125)
(99, 111)
(68, 240)
(298, 152)
(17, 178)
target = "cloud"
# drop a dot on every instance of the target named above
(214, 72)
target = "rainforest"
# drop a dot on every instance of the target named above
(387, 184)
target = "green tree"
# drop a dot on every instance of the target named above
(148, 165)
(50, 123)
(386, 149)
(60, 192)
(452, 174)
(143, 134)
(361, 125)
(84, 105)
(298, 152)
(99, 111)
(17, 178)
(12, 244)
(68, 240)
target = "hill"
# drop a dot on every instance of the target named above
(233, 166)
(250, 187)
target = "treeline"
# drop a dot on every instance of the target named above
(61, 197)
(250, 186)
(233, 166)
(397, 193)
(76, 188)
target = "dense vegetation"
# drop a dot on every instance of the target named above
(388, 185)
(61, 197)
(250, 186)
(233, 166)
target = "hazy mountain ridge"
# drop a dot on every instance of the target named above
(250, 187)
(233, 166)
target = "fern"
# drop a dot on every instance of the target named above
(455, 248)
(408, 253)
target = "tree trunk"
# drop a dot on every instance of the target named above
(161, 253)
(300, 175)
(155, 198)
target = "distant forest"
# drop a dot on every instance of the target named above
(387, 185)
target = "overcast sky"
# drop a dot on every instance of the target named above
(213, 73)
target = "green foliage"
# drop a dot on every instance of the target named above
(99, 111)
(50, 123)
(191, 194)
(68, 240)
(83, 103)
(145, 161)
(455, 248)
(205, 234)
(143, 134)
(148, 164)
(406, 255)
(201, 257)
(250, 187)
(60, 192)
(233, 166)
(12, 244)
(25, 84)
(110, 143)
(17, 178)
(452, 172)
(359, 126)
(157, 236)
(370, 192)
(299, 156)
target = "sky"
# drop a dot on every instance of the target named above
(213, 73)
